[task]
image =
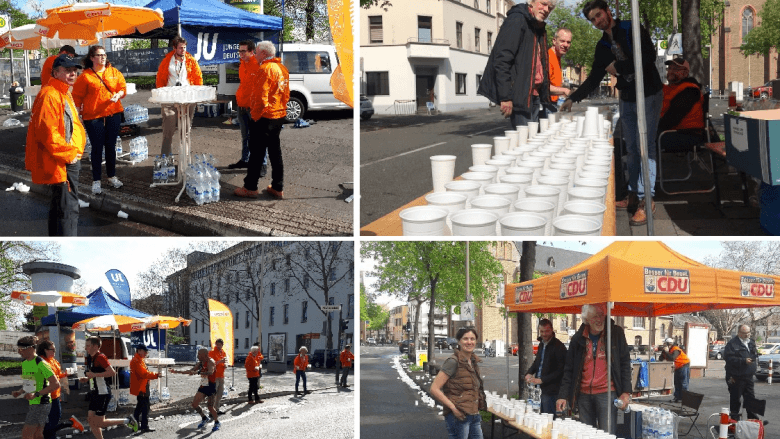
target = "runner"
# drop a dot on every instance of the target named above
(220, 359)
(38, 382)
(46, 350)
(205, 367)
(98, 373)
(300, 364)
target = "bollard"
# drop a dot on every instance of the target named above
(724, 423)
(771, 372)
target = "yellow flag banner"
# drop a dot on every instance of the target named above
(221, 322)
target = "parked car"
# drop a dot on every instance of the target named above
(452, 342)
(371, 341)
(512, 349)
(716, 351)
(366, 108)
(764, 91)
(403, 346)
(762, 371)
(318, 358)
(769, 348)
(441, 342)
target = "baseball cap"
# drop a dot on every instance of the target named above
(669, 340)
(65, 61)
(141, 347)
(679, 63)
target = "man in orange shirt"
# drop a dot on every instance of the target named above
(49, 63)
(682, 367)
(139, 386)
(55, 143)
(220, 359)
(561, 44)
(253, 366)
(246, 74)
(346, 358)
(299, 367)
(268, 110)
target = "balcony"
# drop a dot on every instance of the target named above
(435, 48)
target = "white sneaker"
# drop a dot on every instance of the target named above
(115, 182)
(96, 187)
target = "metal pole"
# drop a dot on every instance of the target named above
(674, 16)
(468, 277)
(639, 81)
(609, 363)
(338, 360)
(506, 345)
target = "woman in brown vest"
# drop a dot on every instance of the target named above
(459, 388)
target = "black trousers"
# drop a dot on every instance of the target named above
(141, 412)
(741, 390)
(64, 207)
(264, 136)
(344, 373)
(254, 387)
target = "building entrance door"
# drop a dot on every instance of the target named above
(424, 89)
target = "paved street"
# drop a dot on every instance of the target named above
(317, 159)
(395, 169)
(385, 399)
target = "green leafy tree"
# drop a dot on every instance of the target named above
(13, 255)
(584, 36)
(384, 4)
(761, 39)
(274, 9)
(433, 272)
(18, 18)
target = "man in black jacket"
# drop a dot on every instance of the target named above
(614, 55)
(584, 384)
(516, 75)
(547, 369)
(741, 359)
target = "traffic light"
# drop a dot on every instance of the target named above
(344, 325)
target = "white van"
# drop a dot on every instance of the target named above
(310, 67)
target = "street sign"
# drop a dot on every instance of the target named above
(330, 308)
(675, 45)
(311, 335)
(467, 310)
(5, 23)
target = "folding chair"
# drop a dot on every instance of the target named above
(692, 153)
(431, 108)
(688, 408)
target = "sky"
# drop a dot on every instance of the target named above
(697, 250)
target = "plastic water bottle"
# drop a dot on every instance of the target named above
(171, 169)
(112, 404)
(157, 165)
(123, 398)
(154, 396)
(199, 183)
(529, 394)
(619, 405)
(118, 145)
(215, 187)
(166, 394)
(537, 399)
(163, 169)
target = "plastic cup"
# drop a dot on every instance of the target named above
(451, 201)
(585, 194)
(533, 130)
(481, 152)
(502, 143)
(538, 206)
(585, 208)
(443, 170)
(544, 124)
(547, 193)
(483, 178)
(522, 224)
(423, 221)
(493, 170)
(508, 191)
(560, 183)
(501, 164)
(468, 188)
(522, 135)
(513, 136)
(576, 225)
(520, 181)
(474, 222)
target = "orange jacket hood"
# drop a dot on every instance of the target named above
(271, 90)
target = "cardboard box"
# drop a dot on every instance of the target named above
(753, 144)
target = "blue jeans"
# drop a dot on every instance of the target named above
(471, 428)
(298, 375)
(594, 410)
(630, 129)
(522, 117)
(681, 378)
(102, 134)
(548, 403)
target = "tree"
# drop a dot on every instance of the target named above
(525, 350)
(433, 272)
(584, 36)
(367, 4)
(319, 269)
(766, 36)
(18, 18)
(274, 9)
(309, 19)
(13, 255)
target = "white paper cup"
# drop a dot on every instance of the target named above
(423, 221)
(468, 188)
(474, 222)
(548, 193)
(522, 135)
(451, 201)
(538, 206)
(502, 143)
(585, 194)
(576, 225)
(501, 164)
(585, 208)
(533, 129)
(482, 178)
(443, 170)
(480, 152)
(508, 191)
(522, 224)
(492, 170)
(543, 124)
(520, 181)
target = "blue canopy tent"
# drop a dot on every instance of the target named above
(212, 28)
(101, 303)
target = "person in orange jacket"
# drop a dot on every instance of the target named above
(246, 74)
(97, 92)
(46, 350)
(268, 108)
(220, 359)
(49, 63)
(346, 358)
(254, 366)
(139, 386)
(55, 143)
(176, 69)
(299, 366)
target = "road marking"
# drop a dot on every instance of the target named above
(417, 125)
(401, 154)
(482, 132)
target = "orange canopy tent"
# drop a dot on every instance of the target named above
(643, 279)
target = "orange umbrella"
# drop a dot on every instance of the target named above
(165, 322)
(85, 20)
(110, 323)
(27, 37)
(49, 298)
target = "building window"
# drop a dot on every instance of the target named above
(490, 41)
(238, 317)
(487, 6)
(306, 281)
(248, 294)
(271, 316)
(246, 343)
(377, 83)
(273, 288)
(304, 311)
(459, 34)
(246, 324)
(286, 316)
(424, 29)
(460, 83)
(236, 345)
(375, 28)
(350, 306)
(287, 285)
(747, 21)
(332, 275)
(564, 323)
(196, 326)
(476, 38)
(639, 322)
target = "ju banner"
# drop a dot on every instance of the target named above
(119, 283)
(153, 339)
(221, 324)
(220, 45)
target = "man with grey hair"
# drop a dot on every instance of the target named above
(517, 75)
(741, 358)
(584, 385)
(268, 109)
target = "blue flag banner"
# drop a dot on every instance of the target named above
(151, 338)
(118, 281)
(211, 45)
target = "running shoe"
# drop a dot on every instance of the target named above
(133, 424)
(96, 187)
(203, 422)
(76, 424)
(216, 426)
